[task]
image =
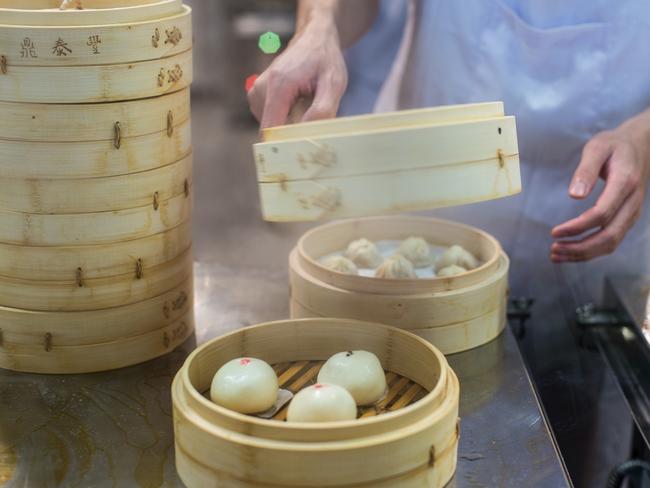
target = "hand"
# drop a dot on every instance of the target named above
(312, 66)
(622, 158)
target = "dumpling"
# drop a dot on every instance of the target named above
(458, 256)
(341, 264)
(245, 385)
(396, 266)
(450, 270)
(416, 250)
(322, 403)
(363, 253)
(359, 372)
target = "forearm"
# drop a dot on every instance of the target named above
(351, 19)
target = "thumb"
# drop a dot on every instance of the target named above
(276, 107)
(594, 156)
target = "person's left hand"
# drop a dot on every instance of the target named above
(621, 157)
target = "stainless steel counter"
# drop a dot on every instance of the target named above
(115, 428)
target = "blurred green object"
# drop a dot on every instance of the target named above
(269, 43)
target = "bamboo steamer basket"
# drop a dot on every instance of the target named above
(69, 263)
(47, 357)
(93, 159)
(58, 196)
(387, 163)
(454, 313)
(82, 293)
(86, 229)
(95, 12)
(32, 45)
(96, 187)
(95, 121)
(36, 341)
(411, 444)
(96, 83)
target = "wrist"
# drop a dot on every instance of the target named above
(322, 28)
(318, 16)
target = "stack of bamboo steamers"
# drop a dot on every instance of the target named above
(95, 183)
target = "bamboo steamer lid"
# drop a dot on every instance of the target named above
(95, 12)
(91, 159)
(415, 445)
(67, 263)
(95, 121)
(387, 163)
(45, 45)
(47, 196)
(96, 83)
(455, 313)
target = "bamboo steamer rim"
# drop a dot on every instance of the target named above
(503, 266)
(63, 224)
(28, 261)
(184, 10)
(102, 16)
(120, 36)
(98, 83)
(94, 122)
(351, 124)
(448, 403)
(184, 377)
(95, 159)
(396, 286)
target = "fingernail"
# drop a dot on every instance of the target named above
(578, 189)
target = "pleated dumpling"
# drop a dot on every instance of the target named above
(451, 270)
(416, 250)
(363, 253)
(396, 266)
(456, 255)
(341, 264)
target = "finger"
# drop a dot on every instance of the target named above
(594, 155)
(327, 98)
(278, 102)
(616, 191)
(601, 242)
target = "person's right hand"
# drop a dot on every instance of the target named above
(312, 67)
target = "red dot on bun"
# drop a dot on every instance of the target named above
(244, 361)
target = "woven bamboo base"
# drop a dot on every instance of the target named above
(297, 375)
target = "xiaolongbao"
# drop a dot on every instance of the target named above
(396, 266)
(363, 253)
(341, 264)
(416, 250)
(458, 256)
(450, 270)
